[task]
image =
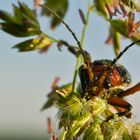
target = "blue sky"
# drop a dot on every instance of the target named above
(25, 78)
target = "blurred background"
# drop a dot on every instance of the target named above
(25, 78)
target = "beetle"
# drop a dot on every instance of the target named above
(104, 78)
(108, 80)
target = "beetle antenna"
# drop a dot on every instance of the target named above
(121, 53)
(70, 30)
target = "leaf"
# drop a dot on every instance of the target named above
(53, 96)
(28, 12)
(50, 102)
(59, 6)
(18, 14)
(23, 23)
(33, 44)
(7, 17)
(18, 30)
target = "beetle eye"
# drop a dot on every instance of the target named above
(96, 78)
(107, 83)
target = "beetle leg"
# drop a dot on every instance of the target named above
(121, 105)
(84, 78)
(130, 91)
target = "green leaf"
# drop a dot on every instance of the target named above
(18, 30)
(23, 23)
(53, 96)
(7, 17)
(28, 13)
(18, 14)
(59, 6)
(33, 44)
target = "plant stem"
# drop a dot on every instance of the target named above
(50, 37)
(82, 45)
(63, 135)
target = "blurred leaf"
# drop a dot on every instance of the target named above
(50, 101)
(53, 96)
(18, 14)
(23, 23)
(28, 12)
(7, 17)
(59, 6)
(33, 44)
(18, 30)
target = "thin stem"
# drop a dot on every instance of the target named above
(63, 135)
(50, 37)
(82, 45)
